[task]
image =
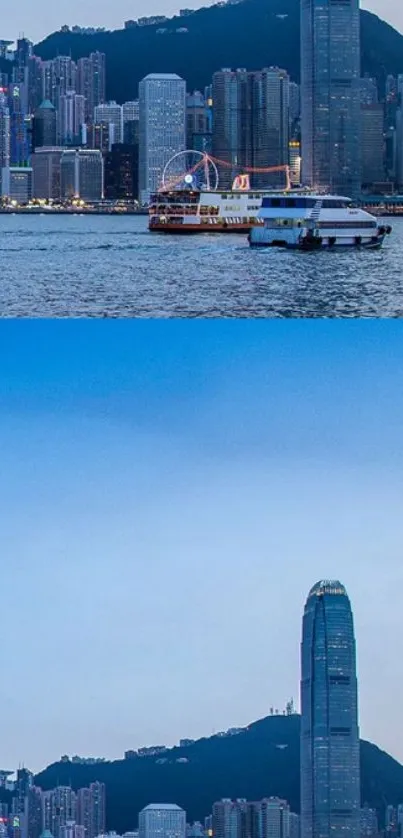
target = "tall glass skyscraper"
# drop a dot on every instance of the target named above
(330, 754)
(330, 95)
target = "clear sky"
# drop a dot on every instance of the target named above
(168, 494)
(38, 19)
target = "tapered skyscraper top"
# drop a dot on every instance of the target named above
(330, 759)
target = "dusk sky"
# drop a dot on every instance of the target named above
(169, 492)
(36, 20)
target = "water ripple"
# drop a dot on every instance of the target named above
(84, 266)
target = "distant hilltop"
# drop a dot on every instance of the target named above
(251, 34)
(259, 761)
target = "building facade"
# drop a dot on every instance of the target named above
(46, 173)
(330, 95)
(162, 114)
(162, 820)
(251, 124)
(330, 757)
(81, 176)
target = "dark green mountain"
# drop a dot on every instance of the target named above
(261, 761)
(251, 34)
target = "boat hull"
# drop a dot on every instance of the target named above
(197, 229)
(323, 245)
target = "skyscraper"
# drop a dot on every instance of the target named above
(251, 123)
(112, 114)
(330, 95)
(162, 820)
(4, 135)
(44, 125)
(162, 112)
(330, 755)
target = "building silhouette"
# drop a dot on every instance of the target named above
(44, 129)
(330, 756)
(330, 95)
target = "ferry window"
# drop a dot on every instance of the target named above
(275, 202)
(290, 202)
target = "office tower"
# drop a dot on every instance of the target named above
(162, 109)
(131, 111)
(330, 751)
(121, 173)
(251, 124)
(81, 177)
(19, 124)
(400, 819)
(162, 820)
(22, 56)
(91, 82)
(44, 126)
(294, 108)
(46, 173)
(372, 145)
(111, 114)
(97, 790)
(16, 186)
(368, 823)
(294, 157)
(368, 91)
(4, 135)
(71, 118)
(274, 818)
(330, 95)
(196, 119)
(100, 136)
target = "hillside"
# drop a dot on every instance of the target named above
(249, 765)
(251, 34)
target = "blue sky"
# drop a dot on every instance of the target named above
(169, 491)
(45, 16)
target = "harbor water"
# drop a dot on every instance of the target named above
(101, 266)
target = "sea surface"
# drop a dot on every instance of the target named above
(101, 266)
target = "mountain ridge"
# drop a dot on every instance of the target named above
(251, 34)
(261, 761)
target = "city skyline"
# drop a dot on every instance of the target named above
(48, 17)
(146, 453)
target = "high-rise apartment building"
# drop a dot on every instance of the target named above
(59, 807)
(251, 124)
(330, 95)
(91, 81)
(330, 755)
(162, 110)
(162, 820)
(97, 790)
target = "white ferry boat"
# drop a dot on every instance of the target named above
(205, 211)
(314, 221)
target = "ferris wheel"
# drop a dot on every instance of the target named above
(190, 170)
